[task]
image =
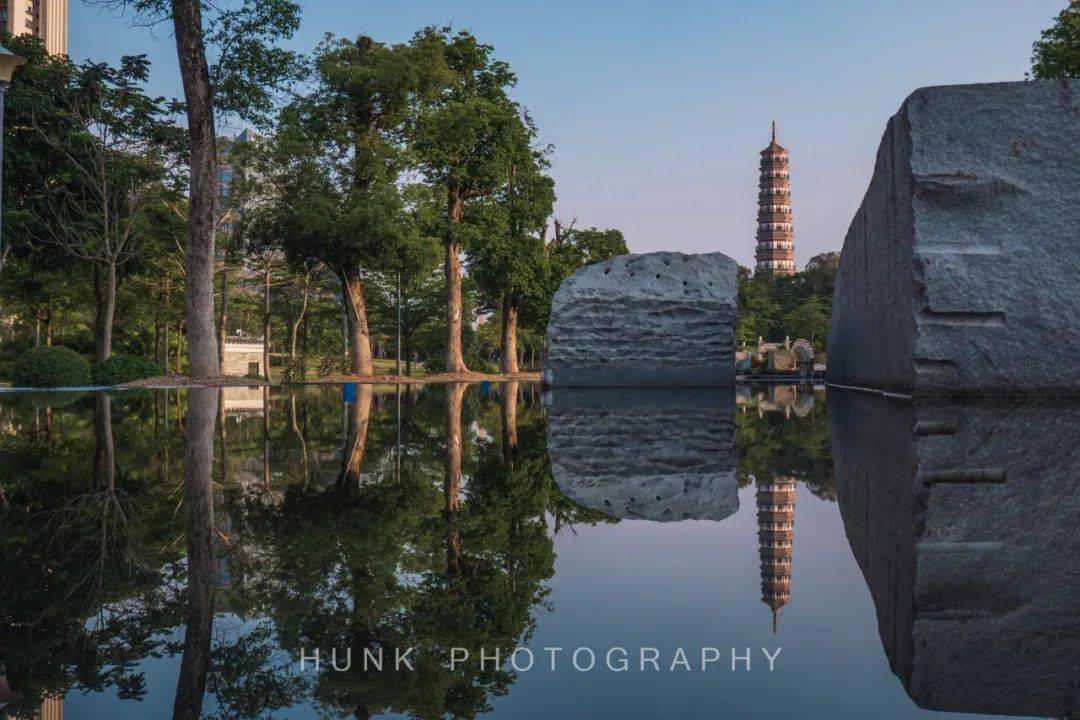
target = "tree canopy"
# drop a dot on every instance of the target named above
(1056, 55)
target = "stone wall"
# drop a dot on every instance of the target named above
(958, 273)
(662, 319)
(238, 362)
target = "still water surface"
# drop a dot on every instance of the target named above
(166, 549)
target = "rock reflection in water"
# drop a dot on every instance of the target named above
(653, 454)
(962, 517)
(788, 399)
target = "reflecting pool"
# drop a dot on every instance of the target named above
(495, 550)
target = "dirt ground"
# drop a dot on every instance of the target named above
(188, 381)
(438, 378)
(235, 381)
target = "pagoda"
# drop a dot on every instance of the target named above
(776, 532)
(775, 248)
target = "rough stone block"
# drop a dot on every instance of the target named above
(781, 360)
(657, 320)
(645, 454)
(962, 516)
(960, 266)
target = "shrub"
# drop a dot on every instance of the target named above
(436, 364)
(54, 366)
(332, 365)
(293, 370)
(120, 369)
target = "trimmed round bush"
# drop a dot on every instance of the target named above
(120, 369)
(54, 366)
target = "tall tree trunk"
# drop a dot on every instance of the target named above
(199, 512)
(360, 361)
(99, 303)
(508, 342)
(37, 330)
(266, 438)
(305, 347)
(352, 455)
(295, 333)
(106, 314)
(203, 359)
(104, 446)
(455, 362)
(455, 392)
(180, 346)
(266, 323)
(223, 440)
(295, 425)
(223, 314)
(509, 422)
(49, 328)
(166, 348)
(408, 354)
(345, 344)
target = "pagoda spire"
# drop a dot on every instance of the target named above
(775, 244)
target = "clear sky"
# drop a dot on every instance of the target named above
(657, 110)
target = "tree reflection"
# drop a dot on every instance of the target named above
(199, 516)
(446, 543)
(86, 541)
(352, 455)
(781, 431)
(395, 565)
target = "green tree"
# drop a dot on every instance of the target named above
(820, 273)
(32, 113)
(504, 244)
(339, 161)
(809, 320)
(118, 144)
(572, 249)
(569, 250)
(230, 65)
(756, 311)
(466, 135)
(1057, 54)
(799, 305)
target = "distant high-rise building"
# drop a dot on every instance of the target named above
(47, 19)
(776, 534)
(775, 244)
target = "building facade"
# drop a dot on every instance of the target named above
(775, 241)
(47, 19)
(243, 356)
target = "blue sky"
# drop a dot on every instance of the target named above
(657, 110)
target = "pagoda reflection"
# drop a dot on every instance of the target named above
(776, 533)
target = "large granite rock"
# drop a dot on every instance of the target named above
(645, 454)
(958, 274)
(661, 320)
(962, 517)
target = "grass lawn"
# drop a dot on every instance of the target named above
(386, 367)
(382, 367)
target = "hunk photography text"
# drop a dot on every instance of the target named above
(550, 659)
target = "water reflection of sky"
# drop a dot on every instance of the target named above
(631, 584)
